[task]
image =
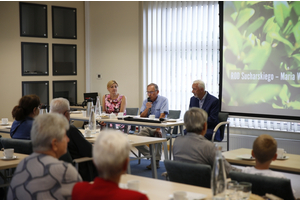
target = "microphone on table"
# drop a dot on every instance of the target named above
(149, 100)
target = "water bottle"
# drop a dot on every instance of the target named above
(43, 109)
(92, 120)
(218, 176)
(98, 107)
(89, 107)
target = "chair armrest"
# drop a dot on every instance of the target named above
(83, 159)
(80, 160)
(220, 124)
(217, 127)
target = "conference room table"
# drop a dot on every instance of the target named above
(290, 164)
(9, 164)
(5, 128)
(78, 116)
(163, 190)
(13, 163)
(159, 189)
(135, 140)
(74, 108)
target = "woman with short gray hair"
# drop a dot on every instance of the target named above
(111, 157)
(41, 175)
(42, 134)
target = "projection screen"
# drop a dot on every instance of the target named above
(261, 59)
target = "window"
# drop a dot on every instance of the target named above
(180, 45)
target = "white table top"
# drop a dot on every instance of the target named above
(133, 139)
(291, 164)
(136, 123)
(7, 164)
(5, 128)
(161, 190)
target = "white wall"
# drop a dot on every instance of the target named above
(114, 50)
(10, 53)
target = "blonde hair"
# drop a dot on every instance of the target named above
(110, 83)
(264, 148)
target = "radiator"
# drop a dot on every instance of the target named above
(237, 141)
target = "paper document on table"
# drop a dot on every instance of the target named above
(173, 120)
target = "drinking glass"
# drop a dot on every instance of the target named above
(244, 190)
(231, 189)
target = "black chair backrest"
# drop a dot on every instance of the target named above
(174, 114)
(188, 173)
(132, 111)
(20, 146)
(261, 185)
(222, 118)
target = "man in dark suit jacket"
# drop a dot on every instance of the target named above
(202, 99)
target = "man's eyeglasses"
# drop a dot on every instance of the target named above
(150, 92)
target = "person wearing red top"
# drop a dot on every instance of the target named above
(111, 157)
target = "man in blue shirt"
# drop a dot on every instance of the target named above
(202, 99)
(155, 105)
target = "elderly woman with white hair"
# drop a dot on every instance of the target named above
(41, 175)
(194, 147)
(111, 157)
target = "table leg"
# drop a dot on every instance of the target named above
(170, 151)
(163, 132)
(128, 168)
(125, 128)
(227, 137)
(153, 161)
(171, 143)
(181, 130)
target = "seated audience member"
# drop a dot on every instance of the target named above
(24, 114)
(78, 146)
(111, 157)
(154, 105)
(202, 99)
(194, 147)
(41, 175)
(264, 151)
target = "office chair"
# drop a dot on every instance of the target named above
(261, 185)
(131, 111)
(19, 145)
(221, 125)
(173, 131)
(87, 175)
(189, 173)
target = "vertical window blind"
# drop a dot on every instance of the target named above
(180, 45)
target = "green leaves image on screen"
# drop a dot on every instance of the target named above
(262, 40)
